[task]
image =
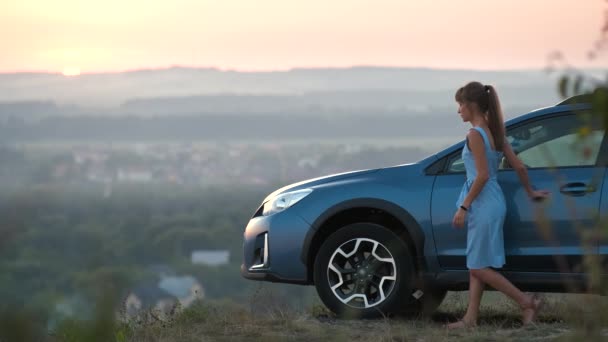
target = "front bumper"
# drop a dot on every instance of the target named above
(272, 246)
(269, 276)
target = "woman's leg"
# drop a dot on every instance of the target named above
(476, 287)
(529, 304)
(502, 284)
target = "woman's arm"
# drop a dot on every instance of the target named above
(522, 173)
(519, 167)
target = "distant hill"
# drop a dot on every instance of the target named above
(188, 90)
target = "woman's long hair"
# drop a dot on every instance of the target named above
(486, 98)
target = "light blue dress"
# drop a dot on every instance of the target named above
(486, 214)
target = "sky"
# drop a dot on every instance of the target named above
(86, 36)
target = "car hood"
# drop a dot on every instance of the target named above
(317, 181)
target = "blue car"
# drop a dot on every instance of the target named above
(381, 241)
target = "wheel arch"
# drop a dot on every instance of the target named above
(371, 210)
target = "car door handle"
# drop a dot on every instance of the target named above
(576, 189)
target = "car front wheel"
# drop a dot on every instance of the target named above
(364, 270)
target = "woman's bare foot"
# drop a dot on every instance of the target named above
(461, 324)
(530, 310)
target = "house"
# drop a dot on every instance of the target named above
(210, 257)
(89, 156)
(134, 175)
(146, 297)
(163, 296)
(185, 288)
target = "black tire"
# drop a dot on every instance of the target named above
(356, 272)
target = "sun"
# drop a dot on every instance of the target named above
(71, 71)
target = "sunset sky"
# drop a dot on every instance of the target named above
(73, 36)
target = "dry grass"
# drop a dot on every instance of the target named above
(228, 321)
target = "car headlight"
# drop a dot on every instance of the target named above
(284, 201)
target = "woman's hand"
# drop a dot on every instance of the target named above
(539, 195)
(458, 220)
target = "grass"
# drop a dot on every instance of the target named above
(267, 317)
(565, 317)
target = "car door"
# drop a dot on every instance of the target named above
(603, 224)
(544, 237)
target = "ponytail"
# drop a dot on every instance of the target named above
(495, 118)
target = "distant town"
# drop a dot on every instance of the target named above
(194, 163)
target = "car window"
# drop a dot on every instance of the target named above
(455, 163)
(550, 142)
(567, 150)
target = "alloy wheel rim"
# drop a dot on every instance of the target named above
(362, 273)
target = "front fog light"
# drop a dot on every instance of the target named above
(284, 201)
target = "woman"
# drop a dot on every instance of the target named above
(481, 202)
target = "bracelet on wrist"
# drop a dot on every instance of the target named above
(464, 208)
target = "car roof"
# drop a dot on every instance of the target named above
(567, 105)
(559, 108)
